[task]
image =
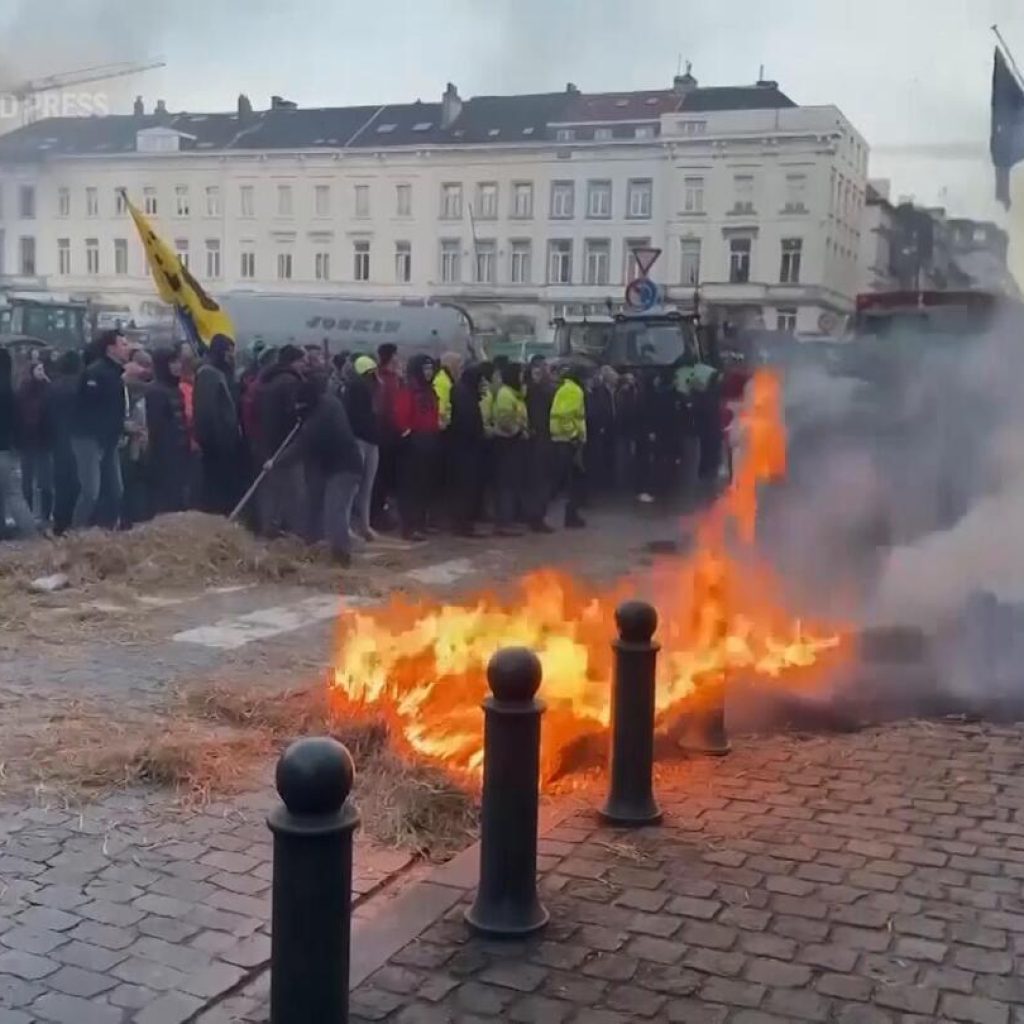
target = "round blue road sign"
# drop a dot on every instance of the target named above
(641, 293)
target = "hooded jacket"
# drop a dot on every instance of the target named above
(359, 396)
(101, 403)
(277, 404)
(214, 410)
(165, 418)
(467, 426)
(416, 409)
(35, 425)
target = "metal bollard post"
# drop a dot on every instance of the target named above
(631, 752)
(704, 726)
(312, 896)
(506, 904)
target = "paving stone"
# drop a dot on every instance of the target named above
(16, 991)
(118, 915)
(103, 935)
(47, 919)
(833, 958)
(921, 949)
(88, 956)
(74, 981)
(170, 1008)
(798, 1004)
(137, 971)
(131, 997)
(732, 992)
(908, 998)
(982, 961)
(662, 925)
(472, 997)
(643, 899)
(27, 966)
(693, 1011)
(169, 929)
(845, 986)
(522, 977)
(61, 1009)
(59, 897)
(688, 906)
(250, 952)
(777, 973)
(973, 1009)
(8, 1016)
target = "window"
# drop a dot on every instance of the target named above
(64, 256)
(644, 131)
(689, 250)
(248, 267)
(598, 256)
(785, 319)
(361, 262)
(27, 255)
(181, 201)
(451, 261)
(92, 202)
(599, 199)
(739, 260)
(560, 261)
(743, 187)
(120, 201)
(632, 267)
(181, 248)
(322, 266)
(27, 207)
(638, 198)
(565, 135)
(284, 202)
(92, 256)
(121, 256)
(693, 195)
(522, 200)
(451, 202)
(403, 200)
(403, 261)
(212, 200)
(322, 200)
(149, 202)
(521, 262)
(284, 266)
(789, 270)
(602, 134)
(246, 201)
(486, 253)
(64, 202)
(213, 257)
(362, 200)
(562, 202)
(796, 193)
(487, 201)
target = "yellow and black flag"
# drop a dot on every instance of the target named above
(201, 315)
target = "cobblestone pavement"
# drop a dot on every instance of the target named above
(867, 879)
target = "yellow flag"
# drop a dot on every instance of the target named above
(200, 313)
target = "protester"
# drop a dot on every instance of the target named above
(100, 410)
(187, 357)
(168, 456)
(12, 500)
(416, 417)
(539, 395)
(389, 370)
(35, 441)
(215, 404)
(359, 397)
(278, 415)
(568, 428)
(466, 439)
(328, 452)
(135, 502)
(600, 446)
(63, 397)
(510, 430)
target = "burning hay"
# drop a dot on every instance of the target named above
(422, 665)
(215, 741)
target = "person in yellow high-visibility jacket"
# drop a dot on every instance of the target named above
(509, 423)
(568, 436)
(444, 380)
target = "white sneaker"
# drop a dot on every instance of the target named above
(645, 498)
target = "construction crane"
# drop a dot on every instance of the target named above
(62, 80)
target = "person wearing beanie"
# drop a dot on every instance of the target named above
(360, 403)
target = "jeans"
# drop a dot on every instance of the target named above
(37, 481)
(364, 497)
(330, 500)
(99, 474)
(12, 501)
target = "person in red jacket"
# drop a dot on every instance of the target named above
(418, 423)
(389, 384)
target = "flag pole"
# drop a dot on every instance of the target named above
(1009, 56)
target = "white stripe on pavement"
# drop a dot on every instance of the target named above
(442, 573)
(238, 630)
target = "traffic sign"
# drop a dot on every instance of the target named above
(646, 256)
(641, 293)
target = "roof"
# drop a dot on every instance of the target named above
(481, 119)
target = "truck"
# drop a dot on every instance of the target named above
(44, 323)
(346, 324)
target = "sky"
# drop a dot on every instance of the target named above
(904, 71)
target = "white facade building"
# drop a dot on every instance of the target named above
(517, 208)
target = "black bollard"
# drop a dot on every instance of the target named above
(703, 726)
(312, 901)
(631, 750)
(506, 904)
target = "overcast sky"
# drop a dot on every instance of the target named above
(904, 71)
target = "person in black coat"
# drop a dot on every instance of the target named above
(467, 438)
(217, 427)
(101, 406)
(35, 441)
(360, 399)
(168, 453)
(12, 501)
(62, 397)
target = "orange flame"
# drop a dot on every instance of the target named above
(421, 664)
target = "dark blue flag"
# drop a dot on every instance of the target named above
(1007, 140)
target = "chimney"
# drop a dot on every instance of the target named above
(279, 103)
(572, 88)
(138, 107)
(244, 107)
(686, 83)
(160, 111)
(451, 106)
(767, 83)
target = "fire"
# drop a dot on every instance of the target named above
(421, 664)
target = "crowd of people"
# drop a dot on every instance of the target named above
(333, 449)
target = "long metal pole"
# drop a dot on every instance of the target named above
(263, 472)
(1009, 56)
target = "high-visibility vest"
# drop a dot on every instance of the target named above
(443, 390)
(568, 413)
(508, 413)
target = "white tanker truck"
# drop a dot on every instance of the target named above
(349, 325)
